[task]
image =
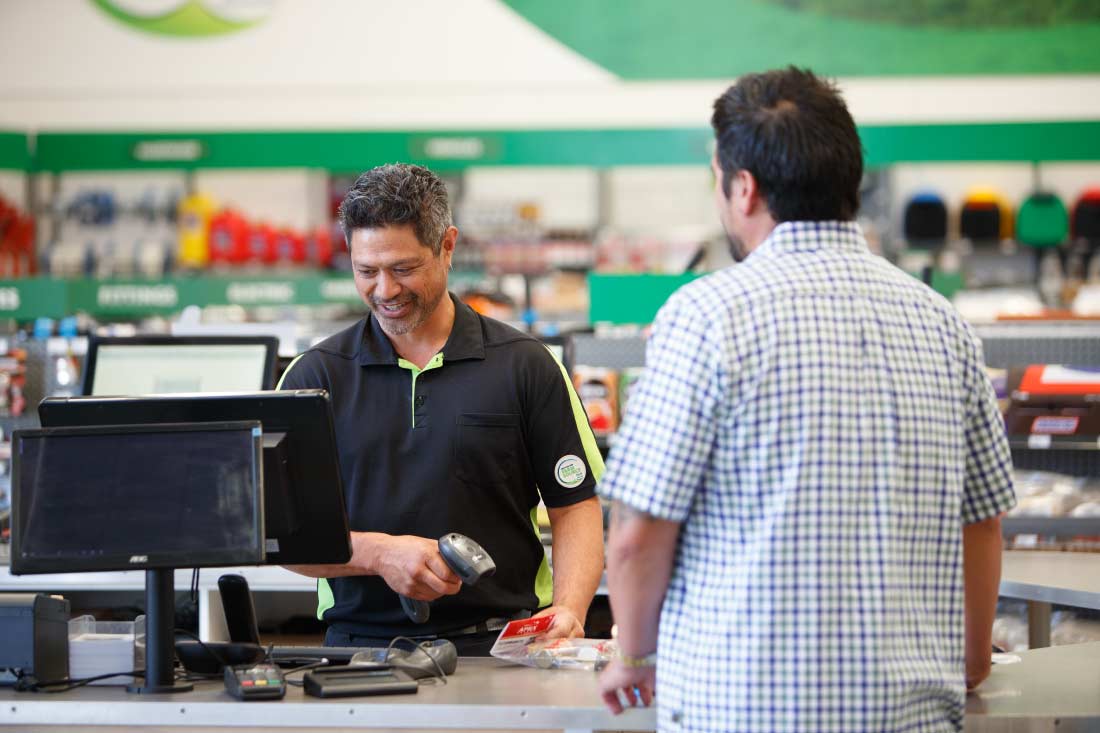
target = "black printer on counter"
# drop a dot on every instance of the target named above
(34, 637)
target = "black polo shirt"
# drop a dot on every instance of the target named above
(468, 445)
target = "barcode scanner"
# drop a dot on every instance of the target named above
(469, 561)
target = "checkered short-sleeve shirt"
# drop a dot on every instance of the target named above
(821, 424)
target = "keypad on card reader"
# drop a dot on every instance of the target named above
(255, 682)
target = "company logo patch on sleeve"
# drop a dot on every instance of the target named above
(570, 471)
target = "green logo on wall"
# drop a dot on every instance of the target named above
(188, 17)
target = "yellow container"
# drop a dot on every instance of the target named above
(195, 212)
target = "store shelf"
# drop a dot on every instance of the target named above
(1052, 526)
(1018, 343)
(35, 297)
(1054, 442)
(51, 298)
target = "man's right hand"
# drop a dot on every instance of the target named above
(413, 567)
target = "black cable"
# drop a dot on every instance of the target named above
(27, 683)
(303, 668)
(194, 585)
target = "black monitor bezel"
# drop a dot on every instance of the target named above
(323, 536)
(152, 559)
(271, 344)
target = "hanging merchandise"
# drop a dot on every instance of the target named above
(93, 208)
(16, 242)
(261, 243)
(986, 216)
(1086, 217)
(228, 238)
(195, 212)
(925, 225)
(318, 247)
(1042, 221)
(289, 248)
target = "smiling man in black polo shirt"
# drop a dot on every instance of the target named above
(446, 421)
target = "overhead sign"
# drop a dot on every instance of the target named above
(172, 151)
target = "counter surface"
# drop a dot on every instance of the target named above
(1064, 578)
(1059, 683)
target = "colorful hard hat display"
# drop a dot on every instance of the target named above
(986, 216)
(1086, 216)
(925, 223)
(1042, 221)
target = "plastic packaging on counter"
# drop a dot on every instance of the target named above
(522, 642)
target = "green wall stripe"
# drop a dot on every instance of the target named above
(1016, 141)
(14, 153)
(722, 39)
(452, 150)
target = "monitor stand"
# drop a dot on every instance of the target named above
(160, 635)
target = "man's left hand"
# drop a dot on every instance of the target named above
(636, 684)
(566, 624)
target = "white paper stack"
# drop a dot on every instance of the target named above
(97, 648)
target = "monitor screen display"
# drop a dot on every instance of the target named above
(304, 514)
(140, 496)
(172, 365)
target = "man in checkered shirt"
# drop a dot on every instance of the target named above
(805, 533)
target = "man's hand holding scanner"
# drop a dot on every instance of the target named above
(413, 567)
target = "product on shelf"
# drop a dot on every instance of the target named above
(1085, 222)
(228, 238)
(318, 246)
(598, 389)
(986, 216)
(1054, 401)
(93, 208)
(925, 221)
(195, 212)
(261, 243)
(1050, 494)
(288, 247)
(16, 242)
(1042, 221)
(13, 378)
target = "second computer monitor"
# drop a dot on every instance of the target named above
(143, 365)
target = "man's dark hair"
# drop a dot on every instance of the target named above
(397, 194)
(791, 130)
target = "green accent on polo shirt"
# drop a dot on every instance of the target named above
(435, 362)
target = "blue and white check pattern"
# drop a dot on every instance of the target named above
(821, 424)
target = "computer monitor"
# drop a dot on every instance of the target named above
(305, 517)
(152, 497)
(143, 365)
(121, 497)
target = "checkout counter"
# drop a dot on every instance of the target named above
(1047, 690)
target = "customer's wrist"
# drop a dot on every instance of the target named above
(645, 660)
